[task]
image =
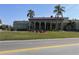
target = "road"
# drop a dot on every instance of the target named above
(66, 46)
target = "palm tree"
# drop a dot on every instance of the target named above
(59, 12)
(30, 13)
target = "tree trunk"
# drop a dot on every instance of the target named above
(62, 22)
(56, 27)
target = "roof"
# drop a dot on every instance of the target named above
(20, 21)
(46, 18)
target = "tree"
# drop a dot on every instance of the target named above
(30, 13)
(59, 13)
(0, 24)
(70, 26)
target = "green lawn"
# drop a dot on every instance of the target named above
(33, 35)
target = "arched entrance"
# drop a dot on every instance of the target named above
(37, 26)
(42, 26)
(53, 26)
(47, 26)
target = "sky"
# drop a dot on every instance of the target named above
(18, 12)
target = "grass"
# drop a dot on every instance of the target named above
(33, 35)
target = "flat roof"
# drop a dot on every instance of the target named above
(46, 18)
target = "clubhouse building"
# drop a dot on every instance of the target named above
(47, 24)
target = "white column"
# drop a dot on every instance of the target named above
(39, 25)
(56, 27)
(29, 25)
(45, 25)
(50, 25)
(34, 25)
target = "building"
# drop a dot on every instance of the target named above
(50, 23)
(20, 25)
(47, 23)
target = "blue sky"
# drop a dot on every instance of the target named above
(12, 12)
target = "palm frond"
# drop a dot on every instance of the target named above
(59, 10)
(30, 13)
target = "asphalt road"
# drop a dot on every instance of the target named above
(67, 46)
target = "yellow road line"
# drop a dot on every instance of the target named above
(37, 48)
